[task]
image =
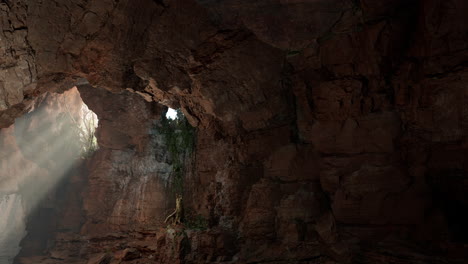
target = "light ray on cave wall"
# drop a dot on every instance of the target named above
(35, 154)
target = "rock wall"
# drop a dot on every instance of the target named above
(37, 153)
(130, 174)
(328, 131)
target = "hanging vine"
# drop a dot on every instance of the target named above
(179, 137)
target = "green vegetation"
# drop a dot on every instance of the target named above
(196, 222)
(179, 137)
(292, 53)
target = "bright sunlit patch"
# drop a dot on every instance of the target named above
(36, 153)
(88, 125)
(171, 114)
(84, 123)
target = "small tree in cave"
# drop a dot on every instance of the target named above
(179, 137)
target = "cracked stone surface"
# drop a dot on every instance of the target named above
(327, 131)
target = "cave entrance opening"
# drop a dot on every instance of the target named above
(39, 154)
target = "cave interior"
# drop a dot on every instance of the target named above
(203, 131)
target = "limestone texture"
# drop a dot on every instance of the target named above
(328, 131)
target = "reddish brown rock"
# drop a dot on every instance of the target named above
(327, 131)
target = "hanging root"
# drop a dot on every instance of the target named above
(177, 214)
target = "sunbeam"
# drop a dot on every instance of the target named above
(36, 154)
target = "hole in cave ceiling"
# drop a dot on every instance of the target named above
(171, 113)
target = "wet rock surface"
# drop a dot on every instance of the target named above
(327, 131)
